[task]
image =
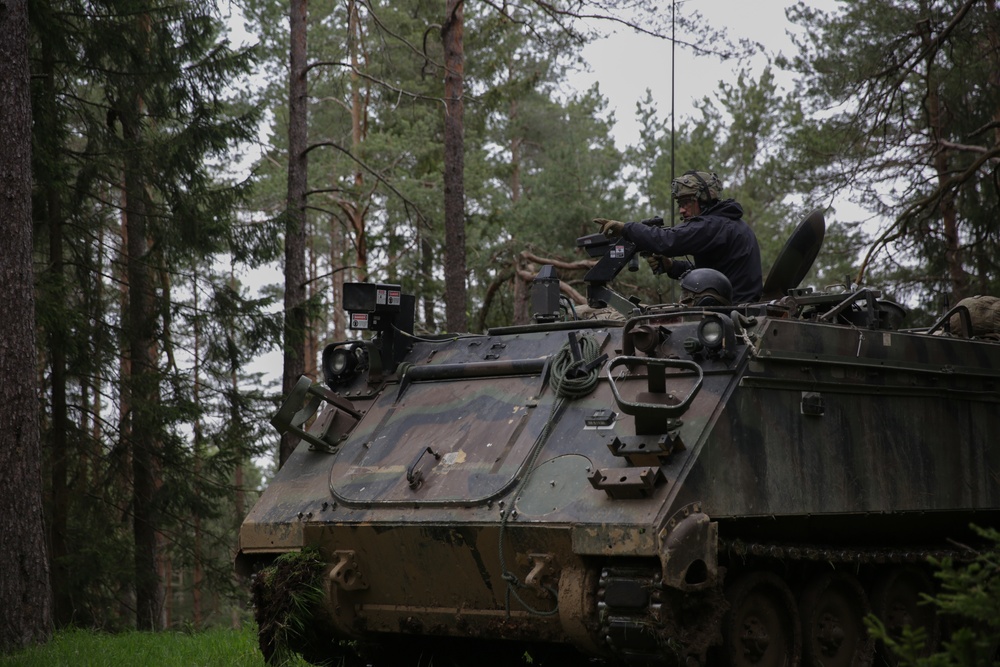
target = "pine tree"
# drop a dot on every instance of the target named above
(968, 601)
(138, 105)
(26, 615)
(902, 124)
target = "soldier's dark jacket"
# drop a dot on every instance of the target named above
(717, 239)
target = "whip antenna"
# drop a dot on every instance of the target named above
(673, 79)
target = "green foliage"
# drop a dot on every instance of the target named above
(538, 165)
(149, 90)
(80, 648)
(287, 597)
(898, 98)
(968, 603)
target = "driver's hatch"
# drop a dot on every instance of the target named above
(455, 441)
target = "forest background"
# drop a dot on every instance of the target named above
(435, 146)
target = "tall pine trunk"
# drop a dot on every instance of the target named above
(199, 454)
(55, 281)
(141, 333)
(239, 499)
(454, 168)
(357, 209)
(25, 593)
(295, 215)
(957, 275)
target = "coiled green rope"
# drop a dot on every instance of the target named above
(571, 386)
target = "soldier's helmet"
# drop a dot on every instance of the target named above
(706, 287)
(704, 185)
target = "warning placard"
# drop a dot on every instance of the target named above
(359, 320)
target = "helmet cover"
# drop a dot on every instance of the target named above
(703, 185)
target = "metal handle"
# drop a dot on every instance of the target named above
(651, 409)
(416, 477)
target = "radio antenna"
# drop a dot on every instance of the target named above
(673, 79)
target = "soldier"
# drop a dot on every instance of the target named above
(705, 287)
(712, 232)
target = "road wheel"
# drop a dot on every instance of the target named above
(897, 601)
(762, 626)
(833, 607)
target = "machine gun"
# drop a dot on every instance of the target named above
(615, 255)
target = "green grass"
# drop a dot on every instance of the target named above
(83, 648)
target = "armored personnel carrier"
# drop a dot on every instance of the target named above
(676, 485)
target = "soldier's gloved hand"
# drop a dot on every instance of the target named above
(610, 228)
(658, 263)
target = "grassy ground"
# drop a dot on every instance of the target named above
(81, 648)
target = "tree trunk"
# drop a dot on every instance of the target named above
(142, 431)
(357, 209)
(123, 467)
(165, 566)
(295, 215)
(454, 169)
(312, 332)
(25, 594)
(143, 421)
(55, 281)
(957, 275)
(339, 248)
(239, 500)
(199, 454)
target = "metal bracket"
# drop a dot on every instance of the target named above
(627, 483)
(541, 567)
(652, 417)
(638, 452)
(302, 403)
(346, 573)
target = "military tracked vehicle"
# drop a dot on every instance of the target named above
(673, 485)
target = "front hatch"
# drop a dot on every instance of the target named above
(444, 442)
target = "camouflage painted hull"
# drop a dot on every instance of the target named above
(728, 485)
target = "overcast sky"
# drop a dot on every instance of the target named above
(625, 64)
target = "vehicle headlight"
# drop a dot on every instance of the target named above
(341, 361)
(711, 333)
(717, 335)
